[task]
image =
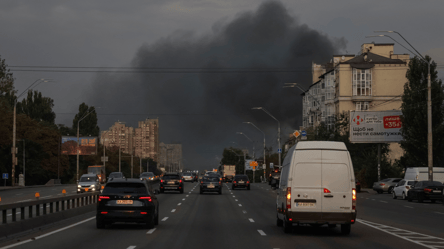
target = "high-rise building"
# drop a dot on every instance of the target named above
(170, 156)
(119, 135)
(146, 139)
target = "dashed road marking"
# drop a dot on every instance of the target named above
(251, 220)
(235, 199)
(408, 207)
(186, 195)
(383, 201)
(164, 219)
(417, 238)
(183, 199)
(234, 196)
(131, 247)
(179, 204)
(151, 231)
(174, 210)
(244, 211)
(439, 213)
(240, 205)
(262, 232)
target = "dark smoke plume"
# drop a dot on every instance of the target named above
(203, 110)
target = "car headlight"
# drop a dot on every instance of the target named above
(141, 179)
(79, 186)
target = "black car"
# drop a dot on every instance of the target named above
(240, 181)
(425, 190)
(171, 181)
(127, 200)
(147, 176)
(210, 184)
(114, 175)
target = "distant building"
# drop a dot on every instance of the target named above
(140, 142)
(170, 156)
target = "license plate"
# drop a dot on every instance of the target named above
(436, 191)
(210, 186)
(86, 189)
(241, 182)
(305, 204)
(170, 188)
(171, 182)
(125, 202)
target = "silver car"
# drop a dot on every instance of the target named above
(89, 183)
(386, 185)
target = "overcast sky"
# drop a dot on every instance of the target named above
(203, 111)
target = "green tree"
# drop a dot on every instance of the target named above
(88, 125)
(37, 107)
(6, 79)
(414, 119)
(234, 156)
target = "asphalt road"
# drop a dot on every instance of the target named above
(247, 219)
(28, 194)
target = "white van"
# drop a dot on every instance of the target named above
(421, 174)
(317, 186)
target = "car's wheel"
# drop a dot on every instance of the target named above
(331, 225)
(156, 220)
(394, 195)
(100, 224)
(181, 191)
(420, 198)
(150, 222)
(232, 187)
(248, 188)
(201, 192)
(220, 191)
(279, 222)
(161, 191)
(286, 226)
(390, 190)
(345, 229)
(403, 196)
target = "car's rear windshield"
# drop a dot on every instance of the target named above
(433, 184)
(210, 179)
(241, 178)
(115, 175)
(147, 174)
(172, 177)
(87, 179)
(186, 174)
(125, 188)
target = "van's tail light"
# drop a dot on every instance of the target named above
(145, 198)
(103, 198)
(353, 199)
(382, 184)
(427, 190)
(103, 212)
(288, 197)
(326, 191)
(358, 183)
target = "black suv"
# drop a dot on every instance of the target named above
(210, 184)
(127, 200)
(240, 181)
(171, 181)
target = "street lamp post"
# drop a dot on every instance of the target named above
(78, 142)
(279, 130)
(265, 163)
(14, 130)
(429, 105)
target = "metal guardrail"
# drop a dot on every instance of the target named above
(55, 205)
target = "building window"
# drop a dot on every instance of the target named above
(362, 82)
(362, 106)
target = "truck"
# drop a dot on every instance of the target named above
(228, 172)
(422, 174)
(98, 170)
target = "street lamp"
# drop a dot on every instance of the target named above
(429, 104)
(279, 130)
(241, 133)
(78, 142)
(292, 85)
(14, 129)
(265, 163)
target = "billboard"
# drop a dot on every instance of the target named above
(375, 126)
(88, 145)
(247, 165)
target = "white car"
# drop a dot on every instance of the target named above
(402, 188)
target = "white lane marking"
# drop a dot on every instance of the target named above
(131, 247)
(244, 211)
(183, 199)
(164, 219)
(366, 198)
(240, 205)
(186, 195)
(439, 213)
(234, 196)
(408, 207)
(373, 199)
(235, 199)
(179, 204)
(417, 238)
(383, 201)
(24, 200)
(46, 196)
(174, 210)
(262, 232)
(189, 192)
(19, 194)
(251, 220)
(151, 231)
(44, 235)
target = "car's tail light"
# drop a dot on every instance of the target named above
(248, 181)
(407, 187)
(382, 184)
(288, 197)
(219, 182)
(143, 212)
(234, 181)
(326, 191)
(103, 212)
(353, 199)
(145, 198)
(427, 190)
(180, 181)
(103, 198)
(161, 180)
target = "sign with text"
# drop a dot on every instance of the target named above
(375, 126)
(87, 145)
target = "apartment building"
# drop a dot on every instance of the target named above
(140, 142)
(170, 156)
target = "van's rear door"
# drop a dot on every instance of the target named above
(306, 195)
(336, 182)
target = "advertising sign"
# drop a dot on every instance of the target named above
(247, 165)
(375, 126)
(88, 145)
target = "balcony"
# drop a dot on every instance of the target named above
(362, 98)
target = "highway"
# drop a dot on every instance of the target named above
(247, 219)
(28, 194)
